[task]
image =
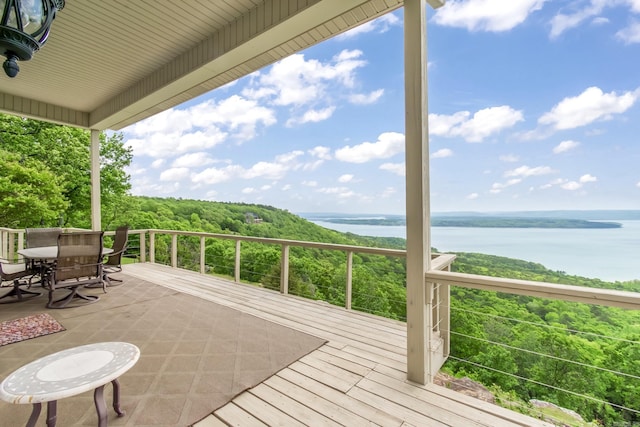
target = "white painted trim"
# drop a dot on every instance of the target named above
(96, 215)
(417, 190)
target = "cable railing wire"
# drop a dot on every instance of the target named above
(519, 377)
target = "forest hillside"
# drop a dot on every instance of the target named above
(496, 339)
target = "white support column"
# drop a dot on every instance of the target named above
(96, 216)
(417, 189)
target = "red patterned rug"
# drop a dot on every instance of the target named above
(28, 327)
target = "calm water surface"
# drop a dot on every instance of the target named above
(609, 254)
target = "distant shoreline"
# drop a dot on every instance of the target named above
(481, 222)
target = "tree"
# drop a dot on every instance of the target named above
(30, 195)
(65, 152)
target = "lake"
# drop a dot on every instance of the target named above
(610, 254)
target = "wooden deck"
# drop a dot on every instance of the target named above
(358, 378)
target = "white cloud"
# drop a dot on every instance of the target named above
(313, 116)
(321, 152)
(199, 127)
(442, 153)
(484, 123)
(192, 160)
(473, 196)
(310, 183)
(248, 190)
(286, 187)
(388, 145)
(340, 192)
(571, 186)
(311, 166)
(592, 11)
(497, 187)
(630, 34)
(588, 107)
(526, 171)
(397, 168)
(157, 163)
(212, 176)
(265, 187)
(379, 25)
(365, 99)
(509, 158)
(174, 174)
(565, 184)
(553, 183)
(345, 178)
(295, 81)
(268, 170)
(565, 146)
(588, 178)
(486, 15)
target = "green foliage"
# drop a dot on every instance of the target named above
(30, 195)
(487, 328)
(62, 156)
(45, 180)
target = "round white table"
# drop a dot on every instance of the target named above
(68, 373)
(49, 252)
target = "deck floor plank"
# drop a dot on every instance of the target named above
(290, 406)
(370, 412)
(358, 377)
(267, 413)
(234, 416)
(338, 413)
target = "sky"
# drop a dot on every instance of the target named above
(533, 105)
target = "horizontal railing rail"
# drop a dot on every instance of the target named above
(598, 296)
(555, 357)
(438, 280)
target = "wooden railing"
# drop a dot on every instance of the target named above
(13, 240)
(437, 281)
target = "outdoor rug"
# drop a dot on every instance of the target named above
(28, 327)
(196, 355)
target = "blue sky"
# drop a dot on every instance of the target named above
(533, 105)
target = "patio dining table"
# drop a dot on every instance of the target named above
(48, 252)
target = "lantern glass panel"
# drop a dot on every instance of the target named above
(33, 17)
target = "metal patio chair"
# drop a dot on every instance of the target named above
(113, 264)
(38, 237)
(79, 263)
(16, 273)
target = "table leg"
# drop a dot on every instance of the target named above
(35, 413)
(116, 398)
(52, 413)
(101, 407)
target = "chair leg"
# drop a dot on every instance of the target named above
(16, 294)
(73, 294)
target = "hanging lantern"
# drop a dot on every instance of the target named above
(24, 28)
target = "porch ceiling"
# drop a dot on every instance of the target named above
(109, 64)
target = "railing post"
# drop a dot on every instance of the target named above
(143, 247)
(236, 270)
(152, 247)
(174, 250)
(12, 246)
(348, 290)
(445, 317)
(202, 255)
(20, 240)
(4, 244)
(284, 270)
